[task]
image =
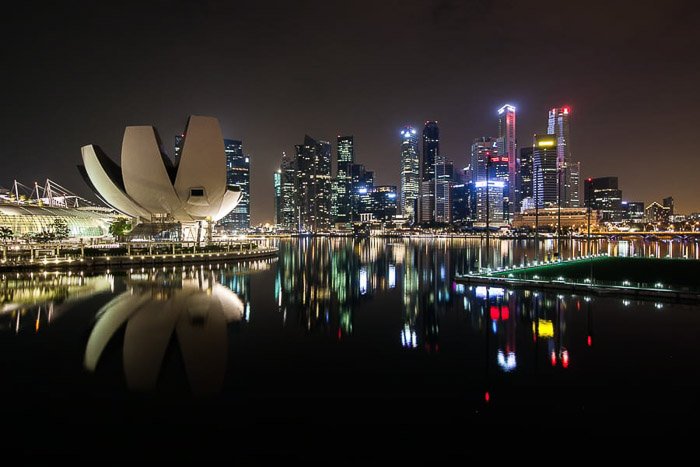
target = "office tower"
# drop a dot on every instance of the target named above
(238, 173)
(494, 193)
(383, 202)
(507, 148)
(362, 185)
(431, 150)
(633, 210)
(343, 181)
(481, 152)
(463, 197)
(668, 203)
(602, 194)
(410, 173)
(444, 179)
(313, 163)
(289, 214)
(523, 179)
(559, 125)
(546, 173)
(277, 185)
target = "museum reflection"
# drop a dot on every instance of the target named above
(179, 313)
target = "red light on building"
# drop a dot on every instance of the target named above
(589, 341)
(565, 359)
(554, 359)
(493, 311)
(487, 397)
(566, 110)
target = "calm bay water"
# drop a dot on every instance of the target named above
(338, 333)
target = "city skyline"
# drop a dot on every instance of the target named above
(631, 81)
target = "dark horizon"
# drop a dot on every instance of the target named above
(272, 72)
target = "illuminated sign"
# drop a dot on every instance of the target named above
(507, 107)
(495, 184)
(545, 143)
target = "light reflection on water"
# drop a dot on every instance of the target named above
(376, 304)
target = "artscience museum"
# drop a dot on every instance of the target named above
(190, 196)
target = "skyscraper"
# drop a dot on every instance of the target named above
(277, 184)
(463, 198)
(410, 173)
(444, 179)
(546, 173)
(559, 124)
(431, 150)
(383, 202)
(343, 182)
(508, 148)
(603, 195)
(362, 187)
(524, 178)
(313, 164)
(288, 218)
(238, 173)
(482, 150)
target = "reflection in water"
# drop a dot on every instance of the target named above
(165, 309)
(30, 301)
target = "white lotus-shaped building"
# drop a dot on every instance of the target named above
(148, 187)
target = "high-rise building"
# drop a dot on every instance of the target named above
(277, 184)
(493, 192)
(508, 148)
(463, 197)
(383, 202)
(633, 210)
(481, 152)
(524, 178)
(238, 173)
(289, 215)
(410, 173)
(313, 163)
(362, 187)
(668, 203)
(444, 179)
(343, 181)
(602, 194)
(431, 150)
(559, 125)
(546, 173)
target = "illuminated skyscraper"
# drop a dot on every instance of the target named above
(431, 150)
(603, 195)
(238, 173)
(508, 149)
(524, 177)
(410, 173)
(313, 164)
(277, 184)
(444, 179)
(482, 150)
(559, 124)
(343, 182)
(546, 173)
(288, 218)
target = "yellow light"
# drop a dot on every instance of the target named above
(545, 328)
(547, 143)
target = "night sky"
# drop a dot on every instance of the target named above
(76, 73)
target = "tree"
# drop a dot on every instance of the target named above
(44, 236)
(120, 227)
(6, 234)
(60, 229)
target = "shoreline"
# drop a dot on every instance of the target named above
(99, 262)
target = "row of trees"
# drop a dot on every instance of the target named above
(58, 231)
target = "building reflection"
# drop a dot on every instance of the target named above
(170, 314)
(31, 301)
